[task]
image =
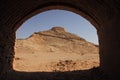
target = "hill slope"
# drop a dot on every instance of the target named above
(44, 50)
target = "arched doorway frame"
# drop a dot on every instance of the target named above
(104, 15)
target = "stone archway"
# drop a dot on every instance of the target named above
(104, 15)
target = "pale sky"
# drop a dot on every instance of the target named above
(72, 22)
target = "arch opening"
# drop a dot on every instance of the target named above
(50, 48)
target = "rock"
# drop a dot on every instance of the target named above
(58, 29)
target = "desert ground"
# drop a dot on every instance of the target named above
(49, 61)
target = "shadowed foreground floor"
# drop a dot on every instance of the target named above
(91, 74)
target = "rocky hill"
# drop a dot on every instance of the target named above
(45, 50)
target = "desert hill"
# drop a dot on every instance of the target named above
(54, 50)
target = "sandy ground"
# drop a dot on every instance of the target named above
(47, 61)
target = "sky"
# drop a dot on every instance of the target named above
(72, 23)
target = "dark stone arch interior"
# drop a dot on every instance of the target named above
(104, 15)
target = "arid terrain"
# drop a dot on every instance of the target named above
(55, 50)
